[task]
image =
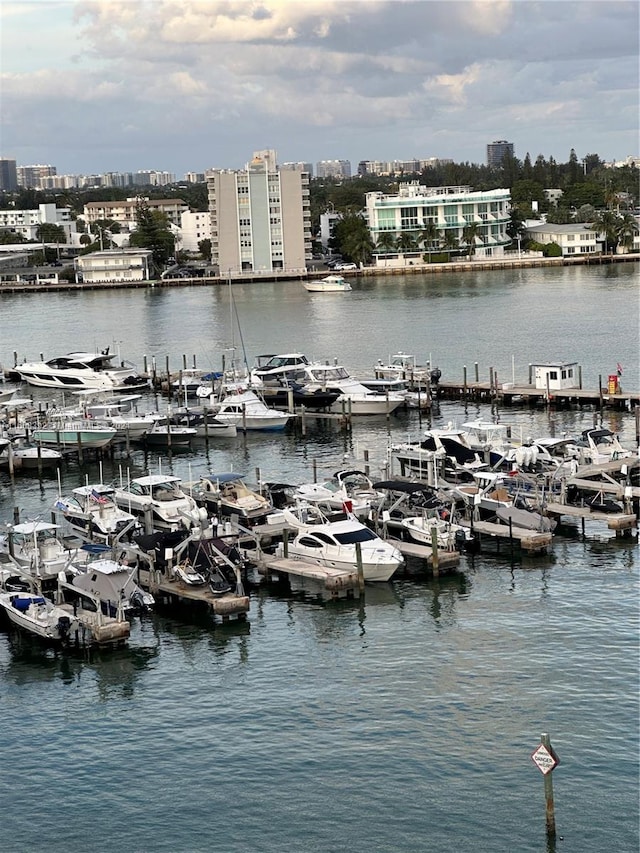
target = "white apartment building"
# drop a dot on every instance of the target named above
(451, 209)
(114, 265)
(260, 217)
(124, 212)
(575, 239)
(333, 169)
(30, 176)
(27, 222)
(194, 227)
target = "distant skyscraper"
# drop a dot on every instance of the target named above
(333, 169)
(8, 174)
(496, 152)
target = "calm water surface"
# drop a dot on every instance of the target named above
(403, 722)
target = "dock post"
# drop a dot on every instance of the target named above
(464, 381)
(184, 361)
(145, 368)
(477, 372)
(315, 470)
(290, 406)
(39, 461)
(580, 377)
(285, 543)
(168, 376)
(550, 812)
(360, 567)
(79, 440)
(366, 462)
(530, 374)
(637, 410)
(10, 458)
(15, 358)
(303, 419)
(194, 361)
(601, 401)
(435, 563)
(16, 516)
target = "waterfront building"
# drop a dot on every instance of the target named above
(8, 174)
(260, 217)
(497, 151)
(113, 265)
(27, 222)
(333, 169)
(124, 212)
(574, 239)
(450, 209)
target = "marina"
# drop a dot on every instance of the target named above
(416, 674)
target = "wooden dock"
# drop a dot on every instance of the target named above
(322, 581)
(529, 541)
(530, 395)
(622, 523)
(172, 590)
(446, 561)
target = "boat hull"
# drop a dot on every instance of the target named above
(73, 438)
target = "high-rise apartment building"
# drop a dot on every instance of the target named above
(497, 151)
(30, 177)
(333, 169)
(8, 174)
(260, 217)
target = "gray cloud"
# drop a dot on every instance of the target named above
(181, 84)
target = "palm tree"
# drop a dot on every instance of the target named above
(429, 235)
(626, 230)
(469, 235)
(606, 223)
(386, 243)
(450, 243)
(359, 246)
(405, 242)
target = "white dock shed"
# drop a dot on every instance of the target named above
(557, 376)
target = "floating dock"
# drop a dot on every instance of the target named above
(172, 590)
(530, 541)
(623, 523)
(323, 581)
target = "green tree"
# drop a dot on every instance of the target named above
(152, 232)
(429, 237)
(386, 243)
(450, 243)
(626, 230)
(405, 242)
(352, 238)
(50, 233)
(469, 236)
(8, 237)
(204, 247)
(607, 223)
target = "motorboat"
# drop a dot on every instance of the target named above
(37, 614)
(354, 397)
(188, 574)
(92, 511)
(36, 549)
(247, 411)
(205, 423)
(187, 382)
(78, 370)
(598, 445)
(112, 582)
(29, 457)
(75, 434)
(403, 366)
(329, 284)
(449, 536)
(350, 491)
(281, 380)
(158, 499)
(488, 492)
(164, 433)
(330, 539)
(228, 495)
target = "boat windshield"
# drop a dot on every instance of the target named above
(350, 537)
(327, 374)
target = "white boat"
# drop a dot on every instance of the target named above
(187, 382)
(449, 536)
(598, 445)
(354, 397)
(160, 498)
(487, 492)
(36, 549)
(329, 284)
(38, 615)
(331, 539)
(350, 491)
(165, 434)
(188, 574)
(75, 434)
(78, 370)
(30, 457)
(228, 495)
(205, 423)
(113, 583)
(92, 511)
(403, 366)
(247, 411)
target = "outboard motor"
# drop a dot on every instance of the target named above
(435, 375)
(64, 628)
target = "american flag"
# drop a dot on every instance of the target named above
(98, 498)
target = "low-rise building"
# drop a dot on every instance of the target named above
(574, 239)
(124, 212)
(115, 265)
(194, 227)
(27, 222)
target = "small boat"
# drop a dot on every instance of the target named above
(228, 495)
(75, 434)
(166, 434)
(188, 574)
(92, 511)
(330, 284)
(38, 615)
(206, 424)
(35, 548)
(330, 539)
(245, 409)
(449, 536)
(160, 498)
(112, 582)
(29, 457)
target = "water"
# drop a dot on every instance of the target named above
(401, 723)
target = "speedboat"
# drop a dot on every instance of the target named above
(403, 366)
(28, 456)
(188, 574)
(92, 511)
(159, 498)
(112, 582)
(330, 539)
(350, 491)
(166, 434)
(599, 445)
(78, 370)
(449, 536)
(35, 548)
(206, 424)
(38, 615)
(75, 434)
(245, 409)
(228, 495)
(330, 284)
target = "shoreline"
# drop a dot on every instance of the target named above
(367, 272)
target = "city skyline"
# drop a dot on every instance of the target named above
(108, 85)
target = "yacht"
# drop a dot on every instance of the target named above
(78, 370)
(247, 411)
(329, 284)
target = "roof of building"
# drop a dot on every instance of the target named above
(561, 229)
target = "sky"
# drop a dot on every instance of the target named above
(91, 86)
